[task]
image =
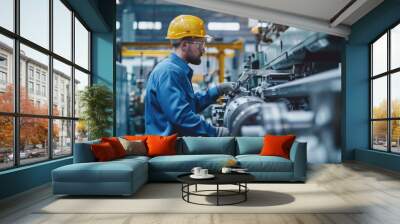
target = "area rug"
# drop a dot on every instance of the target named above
(167, 198)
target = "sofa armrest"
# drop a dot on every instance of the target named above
(298, 155)
(83, 152)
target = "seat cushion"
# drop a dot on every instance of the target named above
(257, 163)
(249, 145)
(112, 171)
(185, 163)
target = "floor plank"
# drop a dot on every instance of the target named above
(376, 189)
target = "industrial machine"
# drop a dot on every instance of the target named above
(296, 93)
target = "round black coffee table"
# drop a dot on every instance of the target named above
(238, 179)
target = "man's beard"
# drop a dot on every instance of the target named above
(194, 60)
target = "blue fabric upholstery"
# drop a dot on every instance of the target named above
(119, 177)
(184, 163)
(126, 175)
(209, 145)
(298, 155)
(249, 145)
(83, 152)
(257, 163)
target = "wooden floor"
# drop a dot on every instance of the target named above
(377, 188)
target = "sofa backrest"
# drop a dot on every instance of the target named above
(249, 145)
(206, 145)
(83, 152)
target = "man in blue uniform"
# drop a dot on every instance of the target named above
(171, 106)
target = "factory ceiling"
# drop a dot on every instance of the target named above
(328, 16)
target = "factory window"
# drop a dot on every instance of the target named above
(147, 25)
(117, 25)
(45, 130)
(224, 26)
(385, 97)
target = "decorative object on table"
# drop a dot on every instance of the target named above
(231, 163)
(237, 170)
(96, 102)
(226, 170)
(202, 176)
(196, 170)
(200, 173)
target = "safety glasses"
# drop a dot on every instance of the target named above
(198, 43)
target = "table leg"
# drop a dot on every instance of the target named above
(196, 188)
(188, 189)
(217, 194)
(245, 193)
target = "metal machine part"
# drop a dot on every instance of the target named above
(251, 115)
(236, 106)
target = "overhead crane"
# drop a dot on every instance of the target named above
(160, 49)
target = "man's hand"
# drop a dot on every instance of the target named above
(226, 87)
(222, 131)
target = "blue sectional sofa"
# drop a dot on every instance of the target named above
(125, 176)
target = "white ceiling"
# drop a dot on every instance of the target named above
(313, 15)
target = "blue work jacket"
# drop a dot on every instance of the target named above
(171, 106)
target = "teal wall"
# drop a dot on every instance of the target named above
(24, 178)
(103, 58)
(103, 63)
(356, 83)
(99, 16)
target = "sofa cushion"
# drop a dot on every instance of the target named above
(249, 145)
(116, 145)
(137, 147)
(185, 163)
(208, 145)
(93, 172)
(103, 152)
(135, 137)
(131, 158)
(118, 177)
(277, 145)
(257, 163)
(161, 145)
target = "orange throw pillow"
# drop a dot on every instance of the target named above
(135, 137)
(277, 145)
(103, 152)
(116, 145)
(161, 145)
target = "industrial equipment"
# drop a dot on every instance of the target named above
(296, 93)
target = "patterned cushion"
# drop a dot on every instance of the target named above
(133, 147)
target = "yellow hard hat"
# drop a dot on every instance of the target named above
(186, 26)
